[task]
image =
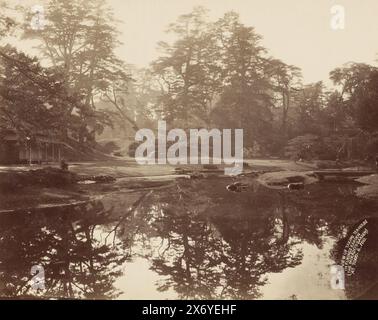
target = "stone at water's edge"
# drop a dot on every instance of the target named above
(296, 186)
(237, 187)
(281, 179)
(97, 179)
(370, 179)
(370, 187)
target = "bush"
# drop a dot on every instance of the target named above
(300, 147)
(310, 146)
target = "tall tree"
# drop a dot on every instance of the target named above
(33, 98)
(285, 81)
(358, 85)
(245, 101)
(188, 70)
(79, 39)
(310, 103)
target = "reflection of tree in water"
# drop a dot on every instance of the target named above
(222, 245)
(63, 241)
(252, 252)
(213, 243)
(323, 210)
(191, 258)
(223, 256)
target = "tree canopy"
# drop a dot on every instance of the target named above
(211, 74)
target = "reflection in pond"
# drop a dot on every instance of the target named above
(63, 241)
(193, 240)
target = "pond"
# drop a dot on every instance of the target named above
(193, 240)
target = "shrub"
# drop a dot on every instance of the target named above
(311, 146)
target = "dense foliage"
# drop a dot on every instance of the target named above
(212, 74)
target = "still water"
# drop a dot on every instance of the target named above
(192, 240)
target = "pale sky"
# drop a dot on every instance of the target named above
(296, 31)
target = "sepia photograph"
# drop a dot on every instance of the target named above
(188, 150)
